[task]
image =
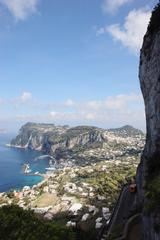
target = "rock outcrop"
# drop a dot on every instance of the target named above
(148, 174)
(80, 144)
(49, 138)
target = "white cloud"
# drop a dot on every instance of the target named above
(90, 116)
(95, 104)
(132, 32)
(25, 97)
(113, 111)
(101, 31)
(112, 6)
(109, 112)
(69, 103)
(20, 9)
(122, 100)
(53, 114)
(115, 102)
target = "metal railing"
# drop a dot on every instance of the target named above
(106, 227)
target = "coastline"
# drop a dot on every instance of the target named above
(14, 146)
(13, 163)
(24, 147)
(38, 184)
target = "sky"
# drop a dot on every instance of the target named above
(72, 62)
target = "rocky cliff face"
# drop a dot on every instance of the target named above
(148, 175)
(80, 144)
(49, 137)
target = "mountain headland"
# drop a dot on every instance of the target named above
(80, 145)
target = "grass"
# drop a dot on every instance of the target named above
(46, 200)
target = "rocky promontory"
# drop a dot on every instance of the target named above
(84, 144)
(49, 137)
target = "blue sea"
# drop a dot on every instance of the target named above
(11, 162)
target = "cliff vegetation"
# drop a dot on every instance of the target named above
(19, 224)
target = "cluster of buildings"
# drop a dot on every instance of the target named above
(69, 191)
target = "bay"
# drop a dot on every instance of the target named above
(11, 162)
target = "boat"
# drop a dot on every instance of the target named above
(43, 157)
(50, 168)
(26, 169)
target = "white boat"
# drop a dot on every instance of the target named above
(27, 169)
(42, 157)
(50, 168)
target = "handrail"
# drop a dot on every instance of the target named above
(107, 227)
(130, 221)
(116, 207)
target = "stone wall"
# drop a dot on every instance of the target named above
(149, 74)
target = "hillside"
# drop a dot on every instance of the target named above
(78, 197)
(81, 144)
(126, 131)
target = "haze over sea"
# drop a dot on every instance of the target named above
(11, 162)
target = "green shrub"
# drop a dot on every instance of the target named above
(19, 224)
(153, 194)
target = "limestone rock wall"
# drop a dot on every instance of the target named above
(149, 74)
(49, 138)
